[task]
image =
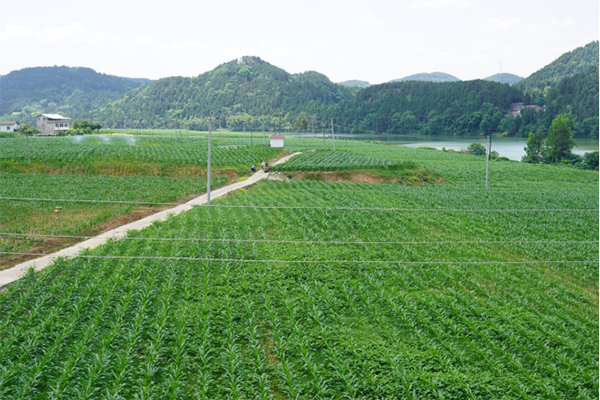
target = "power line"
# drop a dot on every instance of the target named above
(242, 260)
(450, 210)
(332, 242)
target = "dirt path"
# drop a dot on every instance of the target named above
(12, 274)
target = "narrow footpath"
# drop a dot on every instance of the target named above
(12, 274)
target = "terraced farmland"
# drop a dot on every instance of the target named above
(299, 289)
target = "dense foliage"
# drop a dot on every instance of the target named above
(71, 91)
(350, 302)
(568, 64)
(577, 95)
(434, 108)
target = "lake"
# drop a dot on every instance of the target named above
(506, 146)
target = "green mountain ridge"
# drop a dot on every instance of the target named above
(74, 91)
(233, 92)
(248, 93)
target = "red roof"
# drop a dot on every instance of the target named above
(276, 137)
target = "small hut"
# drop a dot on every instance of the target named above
(276, 140)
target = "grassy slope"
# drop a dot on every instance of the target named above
(362, 330)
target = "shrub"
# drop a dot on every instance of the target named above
(476, 149)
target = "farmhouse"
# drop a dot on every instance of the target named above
(515, 108)
(51, 124)
(276, 140)
(9, 126)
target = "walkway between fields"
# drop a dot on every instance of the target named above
(12, 274)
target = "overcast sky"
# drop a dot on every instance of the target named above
(372, 40)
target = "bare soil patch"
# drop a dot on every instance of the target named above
(408, 178)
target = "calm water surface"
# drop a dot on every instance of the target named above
(506, 147)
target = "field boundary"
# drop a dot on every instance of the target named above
(15, 273)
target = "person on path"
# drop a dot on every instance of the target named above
(253, 168)
(264, 163)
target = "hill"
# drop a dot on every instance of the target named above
(504, 77)
(577, 95)
(244, 93)
(67, 90)
(355, 83)
(429, 77)
(568, 64)
(425, 107)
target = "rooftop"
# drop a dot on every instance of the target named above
(54, 116)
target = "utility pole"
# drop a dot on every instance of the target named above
(332, 134)
(280, 116)
(209, 145)
(487, 162)
(27, 136)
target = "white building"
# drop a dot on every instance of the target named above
(51, 124)
(9, 126)
(276, 140)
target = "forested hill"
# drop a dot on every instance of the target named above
(66, 90)
(569, 64)
(577, 95)
(432, 108)
(504, 77)
(429, 77)
(244, 91)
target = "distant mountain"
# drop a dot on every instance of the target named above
(504, 77)
(141, 81)
(245, 93)
(429, 77)
(569, 64)
(65, 90)
(355, 83)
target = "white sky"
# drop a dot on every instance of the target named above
(372, 40)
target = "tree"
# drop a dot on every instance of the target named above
(535, 148)
(476, 149)
(560, 139)
(590, 160)
(301, 122)
(28, 130)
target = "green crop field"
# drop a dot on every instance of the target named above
(226, 153)
(335, 161)
(80, 218)
(303, 289)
